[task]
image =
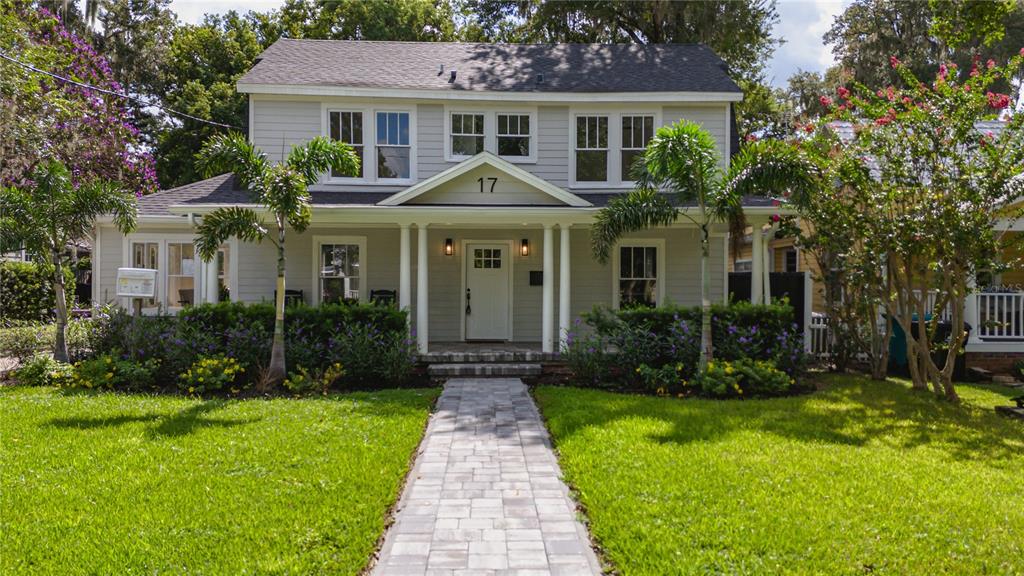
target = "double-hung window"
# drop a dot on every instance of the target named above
(637, 132)
(348, 128)
(467, 134)
(340, 275)
(514, 135)
(181, 271)
(393, 148)
(147, 255)
(592, 148)
(638, 275)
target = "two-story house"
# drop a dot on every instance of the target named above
(483, 168)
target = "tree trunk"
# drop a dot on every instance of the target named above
(705, 303)
(277, 370)
(60, 343)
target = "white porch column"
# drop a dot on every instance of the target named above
(757, 266)
(768, 263)
(404, 271)
(564, 287)
(971, 311)
(211, 285)
(421, 289)
(548, 307)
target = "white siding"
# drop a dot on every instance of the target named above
(278, 125)
(111, 252)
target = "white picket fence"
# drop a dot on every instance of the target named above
(821, 337)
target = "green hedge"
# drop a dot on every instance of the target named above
(322, 318)
(769, 317)
(26, 291)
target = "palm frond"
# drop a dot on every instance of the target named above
(102, 197)
(320, 155)
(772, 168)
(224, 223)
(231, 152)
(682, 158)
(640, 209)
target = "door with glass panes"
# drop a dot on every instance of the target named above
(487, 292)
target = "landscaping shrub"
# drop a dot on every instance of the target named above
(106, 371)
(370, 341)
(211, 374)
(659, 348)
(303, 381)
(1018, 369)
(21, 339)
(26, 291)
(743, 378)
(43, 370)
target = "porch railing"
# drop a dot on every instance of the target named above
(821, 337)
(1000, 315)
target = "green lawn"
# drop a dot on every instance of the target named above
(861, 478)
(134, 484)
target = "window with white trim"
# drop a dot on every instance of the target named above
(743, 265)
(591, 148)
(146, 255)
(467, 134)
(347, 127)
(181, 271)
(394, 151)
(514, 135)
(340, 277)
(790, 261)
(638, 276)
(637, 132)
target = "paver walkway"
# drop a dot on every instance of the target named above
(485, 495)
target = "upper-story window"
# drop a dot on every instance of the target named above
(637, 132)
(514, 135)
(348, 127)
(394, 151)
(467, 134)
(591, 148)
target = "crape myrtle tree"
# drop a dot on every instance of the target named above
(682, 167)
(832, 232)
(938, 183)
(280, 191)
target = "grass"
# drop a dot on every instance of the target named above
(103, 483)
(860, 478)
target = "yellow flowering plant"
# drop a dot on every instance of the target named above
(302, 380)
(210, 373)
(743, 377)
(112, 372)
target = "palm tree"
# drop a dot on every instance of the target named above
(53, 213)
(682, 161)
(280, 191)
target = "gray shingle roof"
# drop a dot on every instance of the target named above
(493, 67)
(224, 189)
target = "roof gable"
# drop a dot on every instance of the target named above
(485, 180)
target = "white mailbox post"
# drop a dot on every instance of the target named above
(137, 284)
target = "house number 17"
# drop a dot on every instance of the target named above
(493, 182)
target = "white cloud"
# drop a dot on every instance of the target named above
(802, 23)
(192, 11)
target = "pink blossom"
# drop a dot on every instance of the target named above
(825, 101)
(895, 62)
(990, 64)
(843, 93)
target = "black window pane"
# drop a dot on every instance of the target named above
(592, 166)
(625, 262)
(513, 146)
(581, 131)
(502, 124)
(392, 162)
(467, 145)
(629, 157)
(335, 126)
(602, 132)
(524, 125)
(357, 128)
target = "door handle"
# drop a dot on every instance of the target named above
(469, 309)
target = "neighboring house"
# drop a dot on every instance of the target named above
(483, 168)
(995, 312)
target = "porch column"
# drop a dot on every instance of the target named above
(563, 285)
(421, 288)
(768, 263)
(548, 307)
(211, 286)
(971, 311)
(757, 266)
(404, 271)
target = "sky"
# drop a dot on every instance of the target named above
(801, 24)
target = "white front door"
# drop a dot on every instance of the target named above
(487, 292)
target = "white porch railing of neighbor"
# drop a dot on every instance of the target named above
(1000, 316)
(821, 337)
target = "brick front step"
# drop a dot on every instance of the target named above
(478, 370)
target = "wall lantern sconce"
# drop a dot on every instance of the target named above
(449, 247)
(524, 247)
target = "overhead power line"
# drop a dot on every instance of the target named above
(136, 99)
